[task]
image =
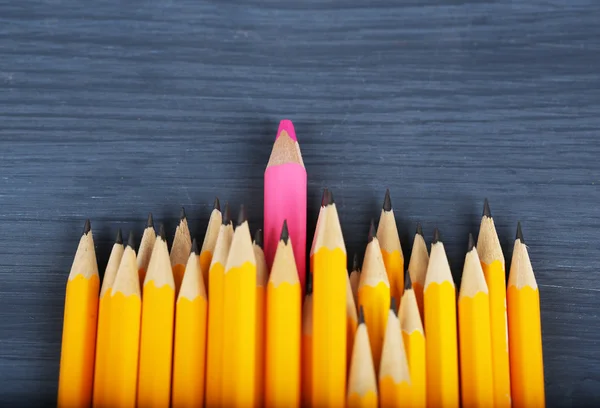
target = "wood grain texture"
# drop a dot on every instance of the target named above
(109, 111)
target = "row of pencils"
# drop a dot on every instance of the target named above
(238, 322)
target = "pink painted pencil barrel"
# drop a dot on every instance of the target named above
(285, 197)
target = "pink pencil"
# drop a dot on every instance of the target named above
(285, 197)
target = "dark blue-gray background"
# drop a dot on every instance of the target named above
(111, 111)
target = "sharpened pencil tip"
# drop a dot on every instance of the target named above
(372, 232)
(195, 247)
(520, 233)
(355, 265)
(226, 215)
(471, 243)
(119, 239)
(242, 217)
(486, 209)
(387, 201)
(309, 286)
(87, 227)
(361, 315)
(393, 304)
(285, 235)
(288, 126)
(407, 281)
(419, 229)
(150, 222)
(258, 238)
(436, 236)
(161, 232)
(325, 197)
(182, 214)
(130, 241)
(217, 204)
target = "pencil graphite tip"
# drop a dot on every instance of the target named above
(387, 201)
(217, 204)
(285, 235)
(87, 227)
(242, 217)
(471, 243)
(150, 222)
(130, 241)
(161, 232)
(309, 286)
(182, 214)
(436, 236)
(372, 233)
(407, 281)
(355, 264)
(325, 197)
(119, 239)
(258, 237)
(226, 215)
(287, 126)
(419, 229)
(195, 247)
(361, 315)
(331, 200)
(519, 233)
(486, 209)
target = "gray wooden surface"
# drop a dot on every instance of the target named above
(110, 111)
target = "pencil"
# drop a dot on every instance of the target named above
(261, 284)
(391, 250)
(525, 330)
(104, 317)
(189, 354)
(285, 196)
(324, 199)
(355, 279)
(477, 381)
(395, 388)
(362, 384)
(414, 343)
(182, 245)
(214, 350)
(439, 297)
(75, 381)
(210, 240)
(239, 334)
(492, 262)
(156, 341)
(374, 294)
(351, 319)
(329, 311)
(124, 332)
(283, 322)
(306, 354)
(417, 268)
(146, 247)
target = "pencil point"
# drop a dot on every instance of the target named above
(393, 304)
(226, 215)
(355, 264)
(217, 204)
(486, 209)
(519, 233)
(119, 239)
(87, 227)
(372, 233)
(242, 218)
(309, 286)
(195, 247)
(258, 237)
(419, 229)
(361, 315)
(471, 243)
(436, 236)
(130, 241)
(285, 235)
(387, 201)
(331, 200)
(407, 281)
(287, 126)
(325, 197)
(150, 222)
(161, 232)
(182, 214)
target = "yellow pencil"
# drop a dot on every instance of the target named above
(391, 250)
(440, 327)
(210, 240)
(182, 245)
(374, 294)
(261, 285)
(329, 311)
(355, 279)
(283, 322)
(75, 381)
(395, 387)
(492, 262)
(214, 350)
(104, 311)
(414, 343)
(239, 334)
(477, 381)
(124, 332)
(189, 354)
(362, 383)
(146, 247)
(158, 314)
(306, 354)
(417, 268)
(525, 330)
